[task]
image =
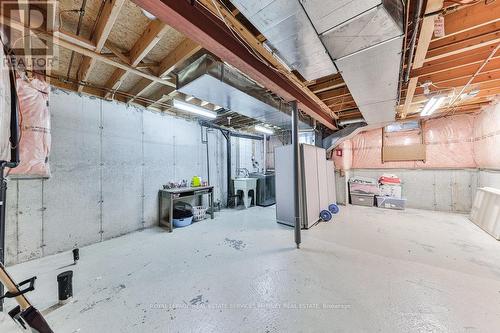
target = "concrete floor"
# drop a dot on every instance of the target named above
(371, 270)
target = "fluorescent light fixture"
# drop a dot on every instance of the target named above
(203, 103)
(432, 105)
(181, 105)
(188, 98)
(264, 130)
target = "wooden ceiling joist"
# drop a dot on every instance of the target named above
(425, 36)
(453, 62)
(182, 52)
(106, 21)
(151, 36)
(86, 52)
(333, 83)
(461, 72)
(490, 39)
(471, 17)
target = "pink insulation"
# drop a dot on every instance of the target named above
(34, 146)
(343, 162)
(487, 138)
(449, 143)
(5, 109)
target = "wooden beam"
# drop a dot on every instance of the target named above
(74, 39)
(335, 93)
(88, 53)
(117, 52)
(186, 49)
(466, 35)
(109, 14)
(412, 86)
(107, 19)
(333, 83)
(471, 17)
(426, 31)
(150, 37)
(461, 72)
(424, 39)
(453, 62)
(491, 39)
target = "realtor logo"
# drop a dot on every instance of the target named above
(26, 30)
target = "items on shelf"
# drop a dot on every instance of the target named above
(180, 184)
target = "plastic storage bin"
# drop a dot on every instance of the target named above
(361, 185)
(362, 199)
(391, 202)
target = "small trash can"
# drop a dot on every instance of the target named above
(65, 286)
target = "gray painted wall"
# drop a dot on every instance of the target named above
(108, 161)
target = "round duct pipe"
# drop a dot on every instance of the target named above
(350, 121)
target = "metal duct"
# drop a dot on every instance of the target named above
(372, 77)
(216, 82)
(363, 37)
(330, 141)
(289, 34)
(366, 48)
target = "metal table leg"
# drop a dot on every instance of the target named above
(170, 213)
(212, 205)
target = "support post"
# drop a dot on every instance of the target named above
(264, 168)
(296, 197)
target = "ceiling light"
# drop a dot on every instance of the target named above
(432, 105)
(203, 103)
(264, 130)
(181, 105)
(188, 98)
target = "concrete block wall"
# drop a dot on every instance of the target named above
(447, 190)
(108, 161)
